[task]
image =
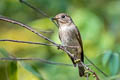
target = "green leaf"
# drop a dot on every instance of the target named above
(114, 64)
(31, 69)
(106, 57)
(4, 52)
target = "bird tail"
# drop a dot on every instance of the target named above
(81, 69)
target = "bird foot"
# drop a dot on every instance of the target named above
(77, 60)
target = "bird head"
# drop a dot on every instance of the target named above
(62, 19)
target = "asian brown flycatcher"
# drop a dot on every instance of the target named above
(70, 36)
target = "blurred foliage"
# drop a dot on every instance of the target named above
(97, 20)
(10, 67)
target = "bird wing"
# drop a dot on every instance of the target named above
(78, 36)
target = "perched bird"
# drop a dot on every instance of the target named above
(70, 36)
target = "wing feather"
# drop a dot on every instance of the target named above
(78, 36)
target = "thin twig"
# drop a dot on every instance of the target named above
(87, 77)
(35, 59)
(94, 74)
(34, 8)
(28, 42)
(48, 31)
(96, 67)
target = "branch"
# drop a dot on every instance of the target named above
(96, 67)
(34, 8)
(35, 59)
(48, 31)
(94, 74)
(30, 42)
(27, 42)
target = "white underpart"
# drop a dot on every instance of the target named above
(67, 35)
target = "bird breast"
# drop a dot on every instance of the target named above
(67, 35)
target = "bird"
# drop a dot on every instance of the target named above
(69, 35)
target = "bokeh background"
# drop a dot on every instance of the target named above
(97, 20)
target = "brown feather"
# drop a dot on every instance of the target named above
(80, 66)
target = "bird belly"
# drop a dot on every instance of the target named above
(69, 41)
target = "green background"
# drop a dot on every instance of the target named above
(97, 20)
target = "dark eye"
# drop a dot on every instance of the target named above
(63, 16)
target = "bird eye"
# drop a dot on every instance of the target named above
(63, 16)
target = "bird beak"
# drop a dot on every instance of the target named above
(54, 18)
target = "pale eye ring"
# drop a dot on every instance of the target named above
(63, 16)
